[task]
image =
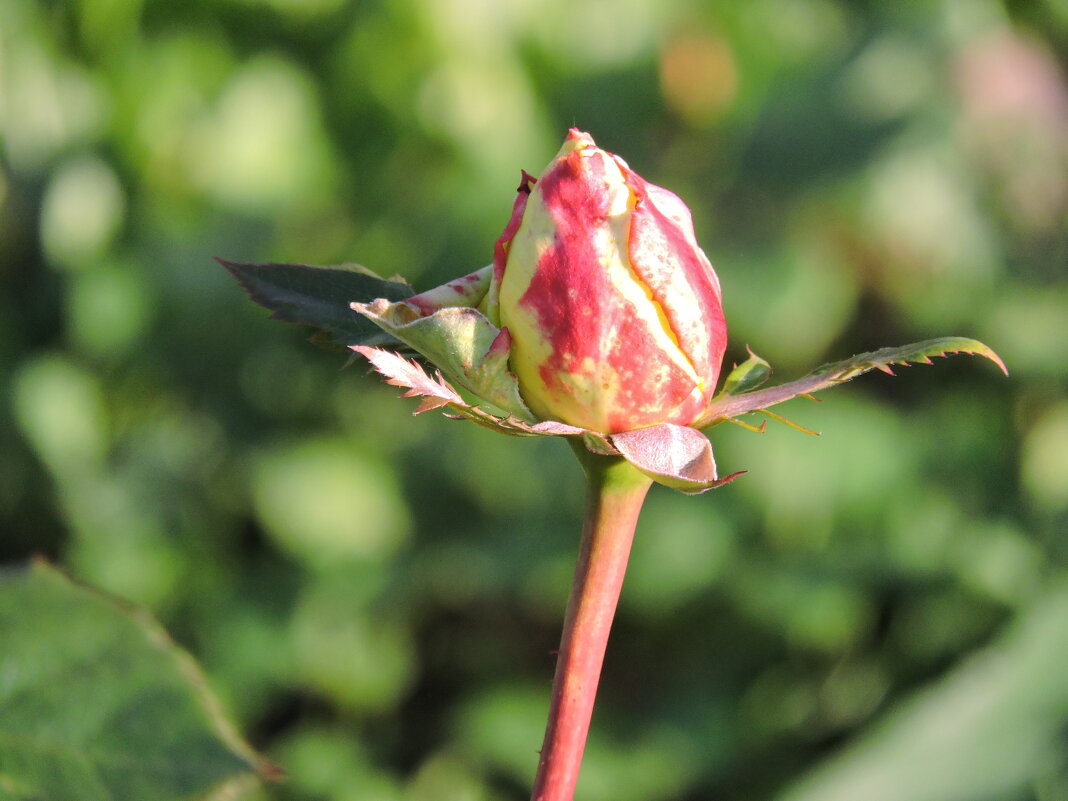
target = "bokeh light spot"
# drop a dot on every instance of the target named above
(82, 211)
(698, 76)
(362, 661)
(324, 501)
(263, 148)
(108, 310)
(60, 410)
(1044, 468)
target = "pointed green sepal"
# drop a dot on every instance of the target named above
(462, 343)
(725, 407)
(746, 376)
(437, 393)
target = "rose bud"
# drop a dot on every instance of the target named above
(614, 312)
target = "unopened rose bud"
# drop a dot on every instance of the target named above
(614, 311)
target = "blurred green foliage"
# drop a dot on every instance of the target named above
(878, 613)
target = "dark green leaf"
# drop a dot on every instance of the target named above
(97, 704)
(320, 297)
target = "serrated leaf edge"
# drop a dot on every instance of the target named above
(726, 407)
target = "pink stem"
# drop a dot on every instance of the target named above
(614, 494)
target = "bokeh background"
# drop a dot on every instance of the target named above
(879, 613)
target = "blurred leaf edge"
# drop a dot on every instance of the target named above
(22, 584)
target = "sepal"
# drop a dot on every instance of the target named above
(746, 376)
(726, 406)
(676, 456)
(437, 393)
(462, 343)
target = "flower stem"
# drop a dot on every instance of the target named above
(614, 494)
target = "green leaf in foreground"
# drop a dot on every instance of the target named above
(97, 703)
(727, 406)
(320, 297)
